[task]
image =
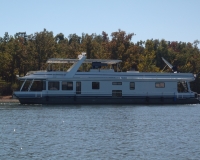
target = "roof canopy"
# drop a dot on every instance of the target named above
(62, 60)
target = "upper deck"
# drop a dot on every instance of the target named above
(97, 72)
(63, 60)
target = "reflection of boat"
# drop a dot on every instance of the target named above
(104, 86)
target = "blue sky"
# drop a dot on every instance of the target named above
(172, 20)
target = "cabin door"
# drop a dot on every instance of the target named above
(78, 87)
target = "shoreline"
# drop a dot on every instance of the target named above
(8, 99)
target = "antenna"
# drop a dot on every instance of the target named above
(174, 68)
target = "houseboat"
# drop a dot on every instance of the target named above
(103, 83)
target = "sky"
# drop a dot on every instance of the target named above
(172, 20)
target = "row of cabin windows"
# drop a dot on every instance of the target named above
(69, 85)
(39, 85)
(56, 86)
(95, 85)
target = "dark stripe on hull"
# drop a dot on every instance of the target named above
(107, 100)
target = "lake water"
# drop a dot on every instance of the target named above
(99, 132)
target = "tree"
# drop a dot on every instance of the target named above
(74, 45)
(147, 60)
(45, 47)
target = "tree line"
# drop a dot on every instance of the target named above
(22, 53)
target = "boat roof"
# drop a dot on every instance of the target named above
(63, 60)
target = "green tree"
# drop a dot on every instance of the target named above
(74, 46)
(45, 47)
(147, 60)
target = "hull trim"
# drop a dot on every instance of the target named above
(106, 100)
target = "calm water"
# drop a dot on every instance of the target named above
(99, 132)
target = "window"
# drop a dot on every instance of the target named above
(26, 85)
(67, 85)
(53, 85)
(95, 85)
(160, 85)
(182, 87)
(38, 85)
(116, 83)
(132, 85)
(116, 93)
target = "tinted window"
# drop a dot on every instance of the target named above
(67, 85)
(132, 85)
(38, 85)
(95, 85)
(26, 85)
(53, 85)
